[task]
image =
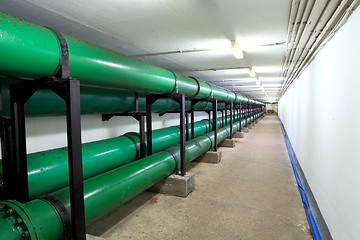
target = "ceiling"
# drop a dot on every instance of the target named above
(192, 37)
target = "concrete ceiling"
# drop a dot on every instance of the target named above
(173, 34)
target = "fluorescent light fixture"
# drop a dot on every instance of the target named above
(252, 72)
(238, 81)
(267, 69)
(258, 82)
(236, 50)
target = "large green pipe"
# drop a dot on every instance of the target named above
(38, 219)
(95, 100)
(31, 52)
(111, 153)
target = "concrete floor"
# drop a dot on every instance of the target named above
(251, 194)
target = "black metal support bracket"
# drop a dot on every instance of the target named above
(222, 118)
(15, 156)
(229, 106)
(192, 111)
(180, 98)
(16, 166)
(239, 117)
(232, 119)
(140, 117)
(214, 113)
(6, 152)
(215, 102)
(247, 113)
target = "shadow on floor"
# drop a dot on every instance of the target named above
(102, 225)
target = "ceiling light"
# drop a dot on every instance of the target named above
(252, 72)
(258, 82)
(236, 50)
(268, 69)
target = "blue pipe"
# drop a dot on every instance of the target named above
(313, 225)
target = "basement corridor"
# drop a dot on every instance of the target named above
(251, 194)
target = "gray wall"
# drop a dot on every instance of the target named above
(320, 113)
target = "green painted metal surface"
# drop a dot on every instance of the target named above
(102, 193)
(31, 52)
(95, 101)
(111, 153)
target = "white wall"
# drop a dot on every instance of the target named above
(45, 133)
(321, 115)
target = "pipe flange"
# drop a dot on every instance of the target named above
(136, 146)
(63, 213)
(211, 91)
(207, 128)
(176, 88)
(211, 141)
(64, 51)
(227, 130)
(20, 221)
(176, 160)
(198, 83)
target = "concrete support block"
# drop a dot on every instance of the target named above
(230, 143)
(239, 135)
(245, 130)
(253, 123)
(175, 185)
(249, 126)
(91, 237)
(210, 157)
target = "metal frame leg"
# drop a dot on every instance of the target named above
(18, 182)
(240, 117)
(187, 125)
(215, 123)
(192, 118)
(222, 118)
(231, 119)
(73, 121)
(182, 135)
(210, 121)
(226, 122)
(148, 125)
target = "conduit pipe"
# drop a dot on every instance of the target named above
(31, 52)
(38, 219)
(112, 153)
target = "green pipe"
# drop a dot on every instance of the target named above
(95, 101)
(112, 153)
(38, 219)
(31, 52)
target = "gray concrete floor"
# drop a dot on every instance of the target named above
(251, 194)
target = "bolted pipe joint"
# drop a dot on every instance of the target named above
(18, 222)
